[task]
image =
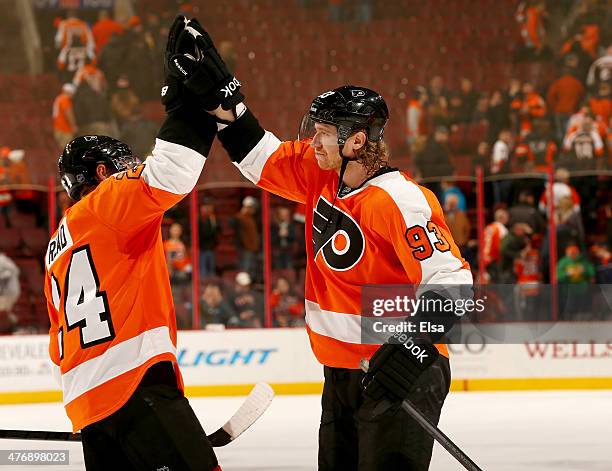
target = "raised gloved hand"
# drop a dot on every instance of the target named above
(174, 96)
(192, 59)
(395, 367)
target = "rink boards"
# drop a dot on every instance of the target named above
(568, 356)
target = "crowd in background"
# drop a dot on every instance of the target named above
(516, 133)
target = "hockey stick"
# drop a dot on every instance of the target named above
(247, 414)
(433, 430)
(440, 437)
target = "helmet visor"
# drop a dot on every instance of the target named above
(316, 132)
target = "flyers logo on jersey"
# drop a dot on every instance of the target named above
(337, 236)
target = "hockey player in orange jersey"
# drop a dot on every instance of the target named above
(368, 223)
(113, 327)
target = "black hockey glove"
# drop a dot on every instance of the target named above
(395, 367)
(174, 96)
(193, 59)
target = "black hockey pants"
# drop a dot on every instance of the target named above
(156, 429)
(359, 434)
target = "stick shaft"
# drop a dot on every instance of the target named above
(439, 436)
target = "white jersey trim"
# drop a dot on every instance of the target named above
(442, 268)
(339, 326)
(173, 167)
(116, 361)
(253, 163)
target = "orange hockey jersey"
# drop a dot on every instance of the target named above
(107, 287)
(391, 231)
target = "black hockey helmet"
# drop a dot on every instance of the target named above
(350, 109)
(78, 162)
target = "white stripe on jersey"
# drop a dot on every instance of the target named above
(173, 167)
(253, 163)
(339, 326)
(442, 268)
(116, 361)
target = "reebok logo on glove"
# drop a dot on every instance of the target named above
(178, 66)
(418, 351)
(230, 88)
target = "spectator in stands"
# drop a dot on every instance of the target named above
(64, 122)
(416, 120)
(124, 101)
(576, 270)
(75, 43)
(214, 309)
(494, 233)
(500, 165)
(287, 307)
(569, 225)
(458, 223)
(10, 289)
(143, 71)
(584, 147)
(528, 275)
(469, 97)
(151, 31)
(179, 263)
(437, 109)
(19, 174)
(208, 233)
(247, 303)
(498, 116)
(561, 189)
(585, 112)
(538, 149)
(601, 70)
(481, 111)
(92, 74)
(524, 212)
(601, 103)
(434, 159)
(103, 30)
(139, 133)
(530, 16)
(585, 35)
(511, 247)
(456, 113)
(563, 97)
(282, 234)
(91, 109)
(448, 187)
(247, 235)
(527, 106)
(603, 263)
(574, 56)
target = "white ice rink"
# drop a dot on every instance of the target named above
(535, 431)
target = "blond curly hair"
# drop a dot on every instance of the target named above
(373, 156)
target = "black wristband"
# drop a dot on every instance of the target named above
(241, 136)
(196, 131)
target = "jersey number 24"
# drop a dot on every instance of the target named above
(85, 306)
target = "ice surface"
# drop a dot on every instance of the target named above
(535, 431)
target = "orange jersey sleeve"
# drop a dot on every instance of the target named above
(282, 168)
